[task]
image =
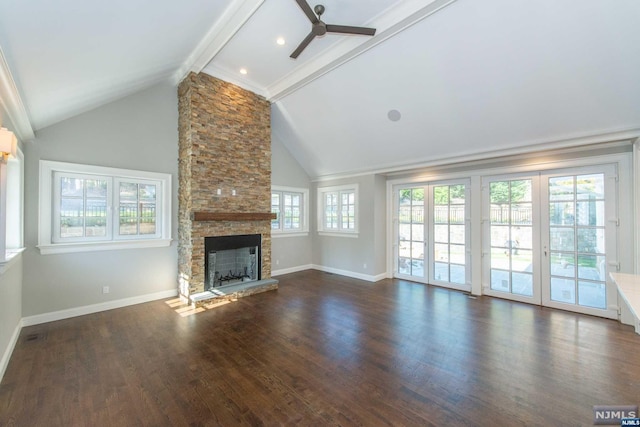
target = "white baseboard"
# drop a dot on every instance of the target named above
(366, 277)
(352, 274)
(291, 270)
(95, 308)
(4, 362)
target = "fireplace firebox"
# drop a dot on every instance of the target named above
(232, 259)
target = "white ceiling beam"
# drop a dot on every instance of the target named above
(12, 104)
(389, 23)
(233, 18)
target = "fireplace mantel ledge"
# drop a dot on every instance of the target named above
(233, 216)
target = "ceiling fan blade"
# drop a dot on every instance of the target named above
(307, 11)
(345, 29)
(302, 45)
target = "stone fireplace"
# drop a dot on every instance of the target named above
(224, 185)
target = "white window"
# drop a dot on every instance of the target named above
(11, 197)
(98, 208)
(291, 206)
(338, 210)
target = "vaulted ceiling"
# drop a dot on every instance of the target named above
(442, 80)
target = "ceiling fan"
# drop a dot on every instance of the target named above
(319, 28)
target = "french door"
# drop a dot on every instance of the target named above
(432, 233)
(511, 238)
(550, 238)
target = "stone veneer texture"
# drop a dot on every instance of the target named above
(224, 143)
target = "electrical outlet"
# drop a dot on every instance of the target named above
(277, 262)
(364, 266)
(105, 289)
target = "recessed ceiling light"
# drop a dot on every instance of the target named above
(243, 71)
(280, 41)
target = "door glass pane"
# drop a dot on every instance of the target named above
(457, 274)
(563, 290)
(404, 231)
(457, 254)
(500, 280)
(511, 231)
(500, 236)
(417, 267)
(441, 271)
(591, 213)
(591, 267)
(590, 187)
(411, 233)
(577, 238)
(563, 264)
(441, 233)
(417, 250)
(561, 188)
(592, 294)
(499, 259)
(457, 234)
(449, 251)
(562, 239)
(417, 232)
(522, 284)
(591, 240)
(441, 252)
(561, 213)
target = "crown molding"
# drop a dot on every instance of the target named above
(390, 22)
(610, 138)
(233, 18)
(12, 104)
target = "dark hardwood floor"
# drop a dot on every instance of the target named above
(323, 350)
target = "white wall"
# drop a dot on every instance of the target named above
(137, 132)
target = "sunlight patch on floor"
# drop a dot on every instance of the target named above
(184, 309)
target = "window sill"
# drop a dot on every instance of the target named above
(64, 248)
(277, 235)
(11, 256)
(353, 235)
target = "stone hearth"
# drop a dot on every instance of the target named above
(224, 174)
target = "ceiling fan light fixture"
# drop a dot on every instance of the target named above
(280, 41)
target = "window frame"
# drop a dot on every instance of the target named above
(12, 223)
(48, 243)
(338, 191)
(304, 211)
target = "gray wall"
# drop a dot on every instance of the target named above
(289, 252)
(348, 253)
(137, 132)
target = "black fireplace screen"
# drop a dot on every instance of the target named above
(232, 259)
